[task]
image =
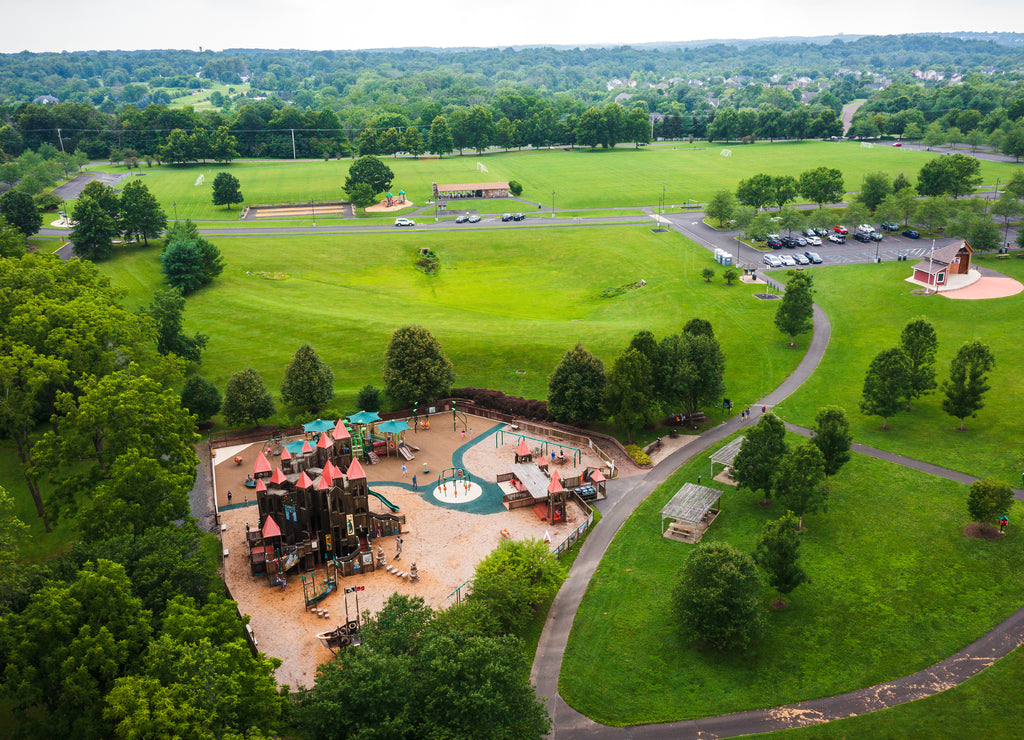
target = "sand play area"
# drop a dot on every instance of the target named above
(441, 535)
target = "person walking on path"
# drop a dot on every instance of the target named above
(229, 497)
(404, 471)
(414, 486)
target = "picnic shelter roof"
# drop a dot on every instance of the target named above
(727, 454)
(691, 503)
(473, 186)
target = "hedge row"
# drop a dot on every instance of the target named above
(527, 408)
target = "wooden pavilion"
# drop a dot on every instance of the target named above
(471, 190)
(726, 455)
(691, 510)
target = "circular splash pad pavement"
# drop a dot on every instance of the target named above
(458, 492)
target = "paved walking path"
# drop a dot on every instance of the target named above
(624, 495)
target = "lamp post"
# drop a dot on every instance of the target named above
(175, 204)
(552, 204)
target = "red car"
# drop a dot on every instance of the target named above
(839, 229)
(898, 143)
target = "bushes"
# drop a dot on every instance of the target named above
(527, 408)
(639, 456)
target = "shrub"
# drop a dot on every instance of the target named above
(368, 398)
(515, 187)
(526, 408)
(47, 202)
(639, 456)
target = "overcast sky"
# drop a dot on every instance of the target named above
(73, 25)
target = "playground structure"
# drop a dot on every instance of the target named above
(529, 484)
(311, 512)
(456, 486)
(544, 447)
(458, 416)
(313, 595)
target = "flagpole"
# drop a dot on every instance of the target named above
(931, 274)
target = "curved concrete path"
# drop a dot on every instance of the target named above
(630, 492)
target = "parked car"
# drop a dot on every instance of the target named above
(898, 143)
(774, 236)
(809, 232)
(771, 260)
(840, 229)
(876, 236)
(801, 259)
(787, 260)
(518, 217)
(862, 237)
(814, 241)
(474, 219)
(774, 242)
(404, 222)
(823, 233)
(506, 217)
(890, 226)
(837, 238)
(814, 257)
(911, 234)
(801, 241)
(462, 219)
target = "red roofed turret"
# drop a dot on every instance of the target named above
(355, 471)
(262, 465)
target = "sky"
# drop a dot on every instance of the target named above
(75, 25)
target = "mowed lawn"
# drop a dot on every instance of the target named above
(868, 306)
(895, 587)
(505, 306)
(616, 178)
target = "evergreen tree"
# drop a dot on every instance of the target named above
(416, 368)
(795, 314)
(189, 261)
(246, 399)
(968, 381)
(308, 381)
(94, 230)
(576, 386)
(778, 554)
(887, 385)
(20, 211)
(201, 398)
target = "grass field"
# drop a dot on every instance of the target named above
(868, 306)
(619, 178)
(506, 305)
(895, 586)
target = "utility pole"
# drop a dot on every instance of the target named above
(61, 139)
(552, 204)
(293, 143)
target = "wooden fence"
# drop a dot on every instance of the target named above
(580, 530)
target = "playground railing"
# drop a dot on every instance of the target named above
(580, 530)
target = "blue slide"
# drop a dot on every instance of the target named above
(383, 500)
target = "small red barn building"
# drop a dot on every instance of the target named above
(954, 259)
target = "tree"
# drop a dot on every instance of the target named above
(576, 386)
(226, 190)
(246, 399)
(201, 398)
(699, 327)
(717, 598)
(440, 137)
(708, 273)
(952, 175)
(799, 481)
(20, 211)
(416, 367)
(784, 190)
(755, 191)
(822, 185)
(12, 530)
(988, 499)
(166, 310)
(516, 578)
(919, 343)
(887, 385)
(777, 552)
(629, 396)
(900, 206)
(832, 437)
(141, 215)
(361, 195)
(188, 260)
(368, 170)
(690, 372)
(720, 207)
(368, 398)
(759, 455)
(875, 189)
(308, 381)
(730, 274)
(12, 242)
(968, 381)
(795, 314)
(1013, 144)
(94, 230)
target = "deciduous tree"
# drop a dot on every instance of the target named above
(778, 553)
(799, 481)
(141, 215)
(919, 343)
(832, 437)
(576, 387)
(20, 211)
(968, 381)
(440, 138)
(227, 190)
(822, 185)
(717, 599)
(515, 578)
(988, 499)
(201, 398)
(720, 207)
(887, 385)
(795, 314)
(369, 170)
(246, 399)
(415, 367)
(308, 381)
(760, 454)
(94, 230)
(690, 372)
(167, 309)
(755, 191)
(629, 395)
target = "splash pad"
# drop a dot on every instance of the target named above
(457, 492)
